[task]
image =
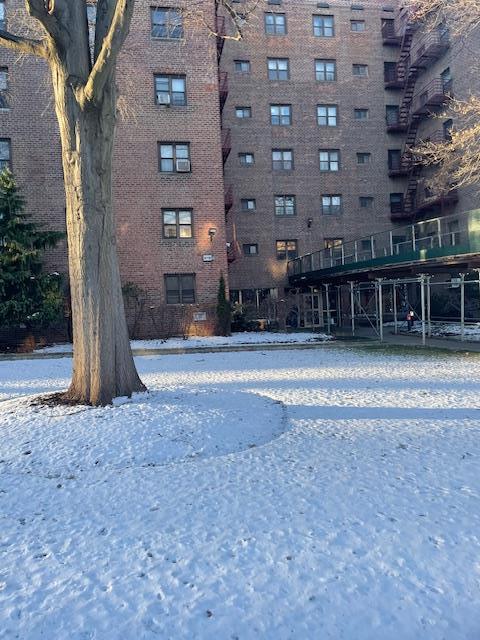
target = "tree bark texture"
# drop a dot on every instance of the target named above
(85, 103)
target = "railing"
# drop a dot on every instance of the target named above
(228, 198)
(427, 195)
(223, 87)
(457, 230)
(400, 164)
(221, 32)
(391, 76)
(389, 34)
(226, 143)
(430, 46)
(435, 93)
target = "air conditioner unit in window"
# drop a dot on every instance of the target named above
(183, 166)
(164, 98)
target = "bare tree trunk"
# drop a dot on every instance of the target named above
(103, 366)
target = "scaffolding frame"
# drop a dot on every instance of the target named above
(380, 289)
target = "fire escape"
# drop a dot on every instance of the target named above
(413, 107)
(226, 138)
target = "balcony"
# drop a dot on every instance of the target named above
(233, 251)
(396, 121)
(226, 144)
(431, 47)
(228, 198)
(221, 32)
(223, 88)
(392, 78)
(389, 36)
(434, 95)
(400, 165)
(433, 198)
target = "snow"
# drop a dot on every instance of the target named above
(245, 338)
(444, 329)
(330, 494)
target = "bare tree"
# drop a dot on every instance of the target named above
(455, 161)
(83, 70)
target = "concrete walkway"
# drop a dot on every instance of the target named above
(367, 335)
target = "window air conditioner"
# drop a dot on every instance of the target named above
(183, 166)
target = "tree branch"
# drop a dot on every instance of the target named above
(111, 46)
(38, 10)
(22, 44)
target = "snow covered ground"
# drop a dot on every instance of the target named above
(308, 495)
(444, 329)
(245, 338)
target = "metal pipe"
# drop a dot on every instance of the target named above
(395, 320)
(327, 301)
(422, 297)
(429, 309)
(462, 306)
(352, 307)
(380, 309)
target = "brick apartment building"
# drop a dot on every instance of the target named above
(288, 141)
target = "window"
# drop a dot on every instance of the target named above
(392, 114)
(330, 160)
(357, 25)
(282, 159)
(177, 223)
(331, 205)
(394, 159)
(246, 159)
(5, 153)
(365, 202)
(243, 112)
(396, 202)
(180, 288)
(286, 249)
(361, 114)
(166, 23)
(242, 66)
(327, 115)
(323, 26)
(364, 158)
(275, 24)
(2, 14)
(446, 77)
(278, 68)
(3, 88)
(285, 206)
(281, 114)
(447, 130)
(332, 243)
(250, 249)
(360, 70)
(249, 204)
(174, 157)
(325, 70)
(170, 90)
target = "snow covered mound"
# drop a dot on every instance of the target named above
(212, 342)
(151, 429)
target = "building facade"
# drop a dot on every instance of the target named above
(235, 156)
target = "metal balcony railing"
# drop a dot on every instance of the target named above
(223, 87)
(435, 94)
(456, 234)
(226, 143)
(430, 47)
